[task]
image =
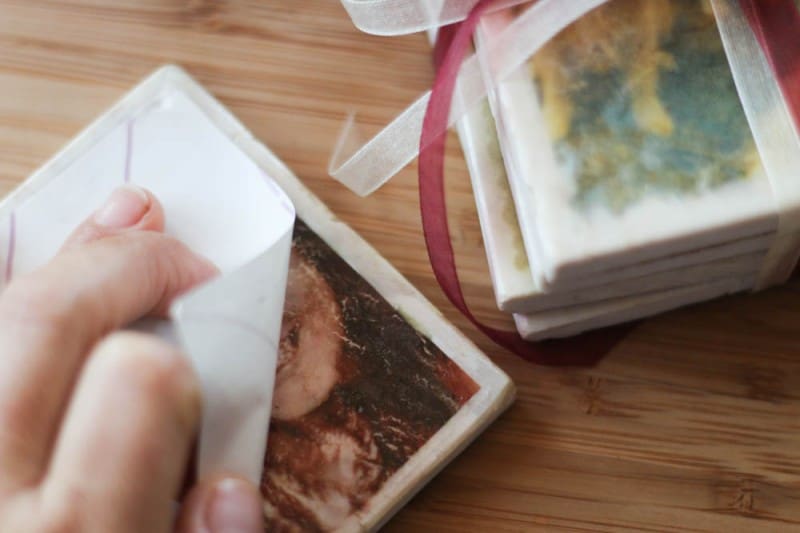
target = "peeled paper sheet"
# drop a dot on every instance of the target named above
(217, 201)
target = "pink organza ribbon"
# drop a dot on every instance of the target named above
(777, 24)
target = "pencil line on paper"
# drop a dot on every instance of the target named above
(128, 151)
(12, 246)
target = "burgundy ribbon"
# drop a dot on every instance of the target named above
(776, 22)
(451, 45)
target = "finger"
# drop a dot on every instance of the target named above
(129, 208)
(223, 506)
(126, 437)
(50, 319)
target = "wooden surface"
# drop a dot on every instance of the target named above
(692, 423)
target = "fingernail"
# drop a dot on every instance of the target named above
(124, 208)
(234, 507)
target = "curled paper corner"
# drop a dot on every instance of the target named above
(230, 328)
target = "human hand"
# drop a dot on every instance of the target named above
(96, 425)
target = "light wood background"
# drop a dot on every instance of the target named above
(693, 423)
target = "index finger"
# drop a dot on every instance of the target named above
(50, 319)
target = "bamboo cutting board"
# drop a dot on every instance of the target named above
(692, 423)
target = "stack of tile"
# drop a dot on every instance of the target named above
(621, 172)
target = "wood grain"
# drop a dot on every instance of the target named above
(693, 423)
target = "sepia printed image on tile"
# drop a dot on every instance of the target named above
(358, 392)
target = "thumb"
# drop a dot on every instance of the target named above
(226, 505)
(128, 208)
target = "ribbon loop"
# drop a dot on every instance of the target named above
(398, 17)
(365, 168)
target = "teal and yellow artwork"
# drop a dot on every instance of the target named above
(639, 100)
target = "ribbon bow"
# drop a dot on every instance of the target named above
(776, 24)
